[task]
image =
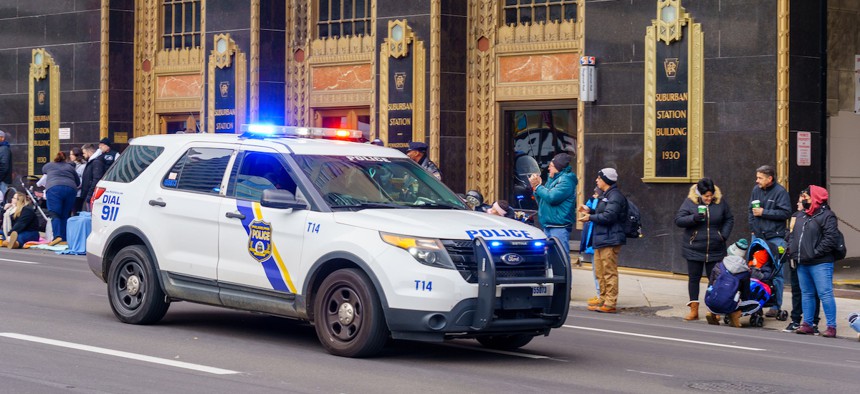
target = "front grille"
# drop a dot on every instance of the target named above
(533, 264)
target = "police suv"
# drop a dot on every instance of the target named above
(355, 238)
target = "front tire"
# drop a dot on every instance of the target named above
(505, 342)
(134, 292)
(348, 316)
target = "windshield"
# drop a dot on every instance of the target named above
(357, 182)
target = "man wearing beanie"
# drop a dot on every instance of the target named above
(767, 221)
(607, 237)
(108, 154)
(557, 200)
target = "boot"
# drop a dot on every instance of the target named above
(735, 318)
(694, 311)
(712, 318)
(13, 239)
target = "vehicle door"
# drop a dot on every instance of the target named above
(182, 210)
(259, 246)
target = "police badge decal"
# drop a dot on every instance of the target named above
(260, 240)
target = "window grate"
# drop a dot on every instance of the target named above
(340, 18)
(181, 24)
(536, 11)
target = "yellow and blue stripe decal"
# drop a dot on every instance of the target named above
(262, 247)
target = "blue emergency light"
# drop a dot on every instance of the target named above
(272, 131)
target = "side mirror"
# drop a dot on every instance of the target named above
(281, 199)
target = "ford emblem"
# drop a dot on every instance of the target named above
(512, 259)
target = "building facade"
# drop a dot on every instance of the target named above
(678, 89)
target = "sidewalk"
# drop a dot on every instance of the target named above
(664, 294)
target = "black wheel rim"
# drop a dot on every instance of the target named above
(130, 285)
(344, 313)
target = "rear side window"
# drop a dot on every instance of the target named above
(132, 162)
(199, 170)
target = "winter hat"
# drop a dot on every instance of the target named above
(561, 161)
(609, 175)
(739, 248)
(759, 259)
(2, 134)
(498, 208)
(105, 141)
(735, 264)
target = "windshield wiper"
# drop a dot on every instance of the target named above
(435, 205)
(370, 205)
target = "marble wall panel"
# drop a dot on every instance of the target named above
(620, 83)
(400, 8)
(272, 15)
(8, 72)
(121, 105)
(272, 55)
(44, 7)
(175, 86)
(740, 79)
(86, 68)
(13, 108)
(452, 157)
(539, 68)
(744, 116)
(452, 123)
(747, 28)
(341, 77)
(80, 106)
(454, 7)
(22, 32)
(452, 92)
(121, 63)
(452, 44)
(223, 16)
(608, 119)
(84, 5)
(121, 25)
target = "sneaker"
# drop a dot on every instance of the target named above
(830, 332)
(815, 330)
(593, 308)
(805, 329)
(606, 309)
(595, 301)
(771, 313)
(792, 327)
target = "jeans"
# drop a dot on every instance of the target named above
(817, 279)
(797, 300)
(60, 201)
(778, 278)
(563, 235)
(27, 236)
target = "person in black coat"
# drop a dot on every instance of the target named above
(93, 173)
(707, 221)
(25, 223)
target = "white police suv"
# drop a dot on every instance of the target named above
(355, 238)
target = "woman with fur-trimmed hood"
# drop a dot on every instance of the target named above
(707, 221)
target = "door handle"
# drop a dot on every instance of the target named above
(157, 203)
(235, 215)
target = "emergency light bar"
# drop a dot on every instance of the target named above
(259, 131)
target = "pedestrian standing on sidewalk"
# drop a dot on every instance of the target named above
(770, 207)
(707, 222)
(586, 247)
(607, 238)
(811, 245)
(557, 200)
(796, 292)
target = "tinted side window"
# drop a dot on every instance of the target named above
(198, 170)
(132, 162)
(258, 172)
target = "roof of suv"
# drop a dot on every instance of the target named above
(301, 146)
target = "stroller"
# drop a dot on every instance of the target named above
(761, 282)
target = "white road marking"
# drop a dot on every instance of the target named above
(666, 338)
(480, 349)
(651, 373)
(117, 353)
(18, 261)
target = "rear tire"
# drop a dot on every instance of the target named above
(505, 342)
(134, 291)
(782, 315)
(348, 315)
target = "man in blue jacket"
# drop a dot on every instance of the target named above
(607, 237)
(557, 200)
(770, 207)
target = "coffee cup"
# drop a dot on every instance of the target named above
(756, 204)
(702, 210)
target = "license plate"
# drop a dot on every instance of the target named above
(540, 291)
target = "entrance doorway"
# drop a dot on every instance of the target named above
(179, 123)
(344, 118)
(531, 137)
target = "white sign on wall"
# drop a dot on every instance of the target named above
(804, 148)
(65, 133)
(587, 79)
(857, 84)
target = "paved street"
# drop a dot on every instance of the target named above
(57, 334)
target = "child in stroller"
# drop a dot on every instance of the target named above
(765, 261)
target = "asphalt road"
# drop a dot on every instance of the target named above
(58, 334)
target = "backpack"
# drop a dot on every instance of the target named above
(723, 296)
(840, 251)
(633, 221)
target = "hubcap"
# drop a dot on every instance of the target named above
(133, 285)
(345, 314)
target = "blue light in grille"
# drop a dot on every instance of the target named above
(538, 244)
(495, 244)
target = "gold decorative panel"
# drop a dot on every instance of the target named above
(104, 69)
(481, 137)
(44, 85)
(690, 117)
(226, 54)
(400, 42)
(255, 61)
(539, 37)
(782, 68)
(298, 73)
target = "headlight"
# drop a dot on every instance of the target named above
(426, 251)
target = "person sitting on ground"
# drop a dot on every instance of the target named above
(25, 223)
(722, 299)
